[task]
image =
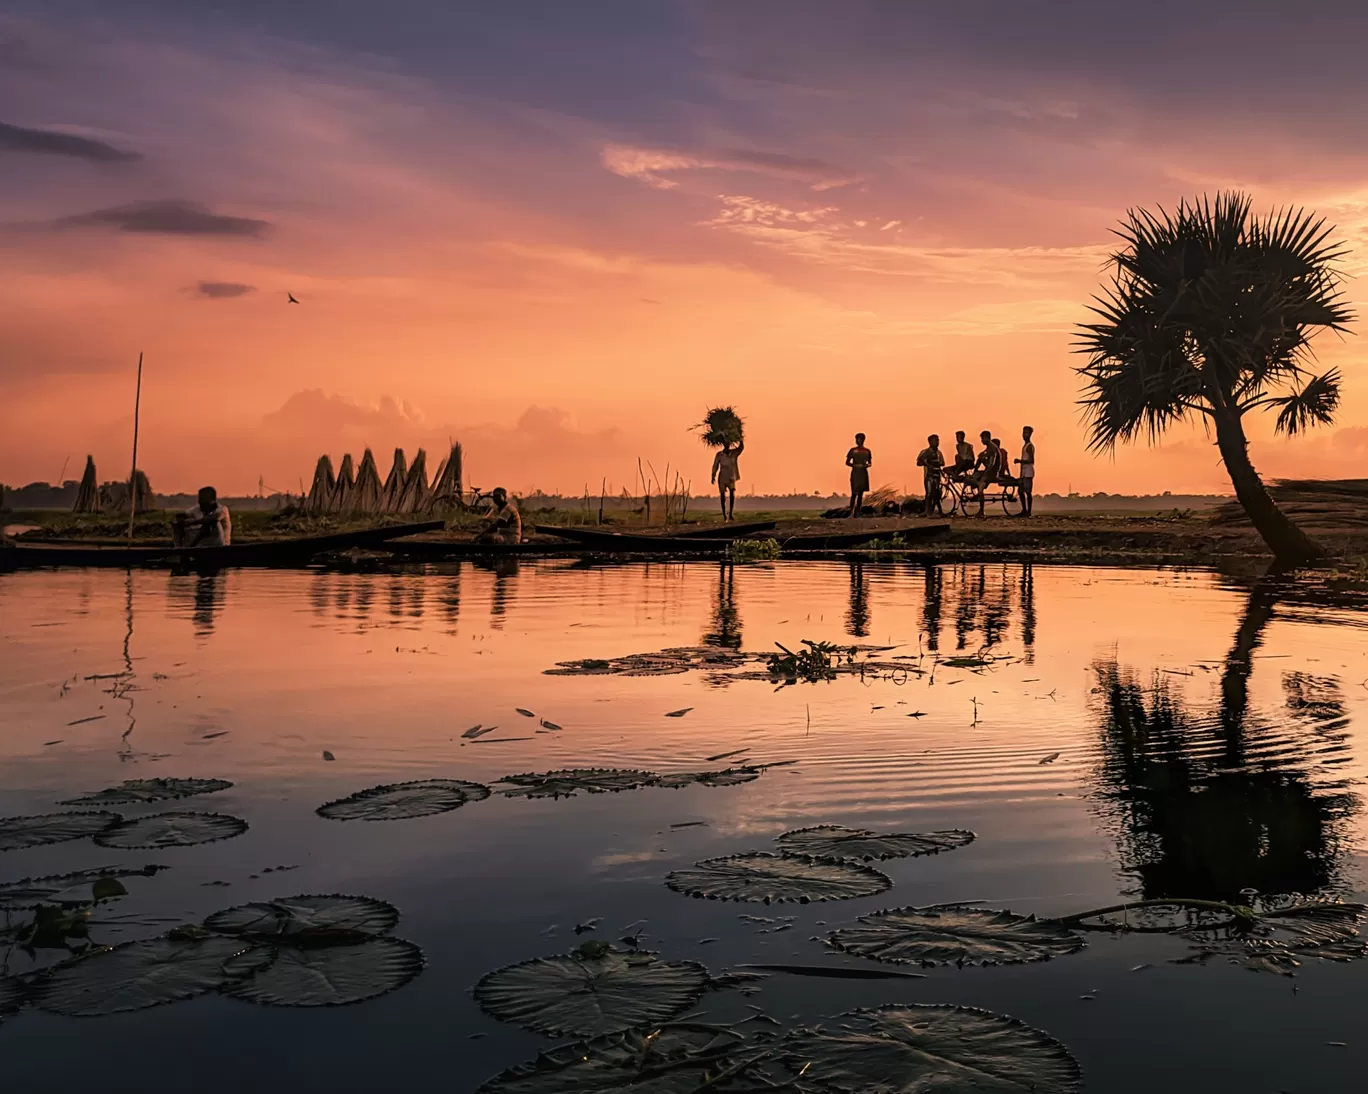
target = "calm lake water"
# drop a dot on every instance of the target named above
(1206, 735)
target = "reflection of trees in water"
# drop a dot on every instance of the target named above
(726, 620)
(1206, 805)
(986, 600)
(857, 615)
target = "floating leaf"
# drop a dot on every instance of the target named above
(403, 801)
(835, 972)
(73, 888)
(678, 1058)
(578, 995)
(330, 976)
(136, 975)
(567, 783)
(907, 1049)
(955, 934)
(731, 776)
(136, 791)
(761, 877)
(307, 919)
(678, 713)
(837, 841)
(19, 832)
(524, 712)
(1279, 940)
(171, 830)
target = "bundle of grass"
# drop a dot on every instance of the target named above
(721, 427)
(324, 486)
(368, 489)
(342, 501)
(413, 495)
(394, 482)
(88, 495)
(448, 486)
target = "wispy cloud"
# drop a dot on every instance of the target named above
(223, 290)
(182, 218)
(653, 166)
(52, 142)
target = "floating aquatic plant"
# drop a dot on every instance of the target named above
(954, 935)
(568, 782)
(764, 878)
(328, 976)
(137, 791)
(20, 832)
(77, 887)
(170, 830)
(403, 801)
(309, 919)
(837, 841)
(585, 994)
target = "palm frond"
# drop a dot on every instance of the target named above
(1314, 404)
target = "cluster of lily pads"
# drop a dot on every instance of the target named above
(310, 950)
(425, 797)
(109, 829)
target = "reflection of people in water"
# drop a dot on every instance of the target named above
(1028, 611)
(857, 618)
(505, 570)
(1202, 807)
(726, 620)
(933, 580)
(208, 598)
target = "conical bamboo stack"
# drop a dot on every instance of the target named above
(342, 501)
(368, 490)
(394, 483)
(414, 496)
(324, 486)
(448, 486)
(88, 496)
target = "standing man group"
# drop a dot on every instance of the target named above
(990, 466)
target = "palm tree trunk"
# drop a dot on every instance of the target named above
(1289, 544)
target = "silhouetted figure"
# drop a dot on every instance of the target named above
(505, 523)
(858, 459)
(206, 524)
(931, 460)
(964, 456)
(726, 473)
(1026, 478)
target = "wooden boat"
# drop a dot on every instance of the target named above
(729, 531)
(281, 552)
(636, 544)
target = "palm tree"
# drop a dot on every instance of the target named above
(1209, 315)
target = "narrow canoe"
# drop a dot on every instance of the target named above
(636, 544)
(282, 552)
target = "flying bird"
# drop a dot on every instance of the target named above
(289, 296)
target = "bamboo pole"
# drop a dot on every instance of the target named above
(133, 474)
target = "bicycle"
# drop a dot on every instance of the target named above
(1006, 491)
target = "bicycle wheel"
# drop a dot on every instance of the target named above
(1012, 504)
(971, 501)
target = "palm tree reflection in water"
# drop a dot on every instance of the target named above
(1204, 806)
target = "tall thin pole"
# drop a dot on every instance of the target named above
(133, 474)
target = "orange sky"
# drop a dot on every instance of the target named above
(560, 243)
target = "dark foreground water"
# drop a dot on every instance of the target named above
(1206, 740)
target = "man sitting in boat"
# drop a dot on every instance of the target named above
(207, 524)
(505, 524)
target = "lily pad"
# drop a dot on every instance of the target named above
(913, 1049)
(1280, 940)
(136, 975)
(837, 841)
(137, 791)
(731, 776)
(764, 878)
(568, 782)
(73, 888)
(580, 996)
(330, 976)
(171, 830)
(307, 919)
(402, 801)
(955, 935)
(677, 1058)
(19, 832)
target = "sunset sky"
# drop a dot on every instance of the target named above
(559, 231)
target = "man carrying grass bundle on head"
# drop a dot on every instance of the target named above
(723, 429)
